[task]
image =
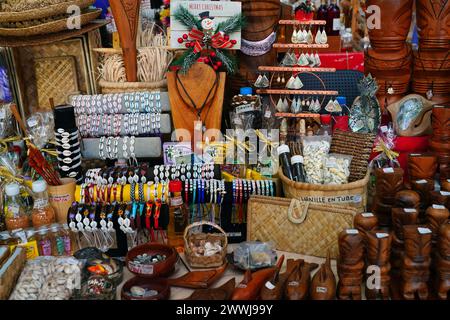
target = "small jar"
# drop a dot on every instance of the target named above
(68, 243)
(43, 213)
(44, 242)
(57, 238)
(298, 169)
(15, 216)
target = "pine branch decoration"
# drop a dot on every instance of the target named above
(186, 60)
(233, 24)
(228, 61)
(188, 19)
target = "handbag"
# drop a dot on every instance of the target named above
(300, 227)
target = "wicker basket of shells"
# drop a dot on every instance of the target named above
(205, 250)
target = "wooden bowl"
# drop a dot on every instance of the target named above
(158, 284)
(160, 269)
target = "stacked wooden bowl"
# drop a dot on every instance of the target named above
(440, 142)
(390, 58)
(431, 75)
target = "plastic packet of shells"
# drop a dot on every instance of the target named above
(40, 128)
(337, 168)
(315, 152)
(6, 121)
(48, 278)
(254, 255)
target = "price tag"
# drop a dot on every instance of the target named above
(336, 24)
(268, 114)
(423, 230)
(415, 154)
(32, 122)
(438, 206)
(381, 235)
(421, 181)
(367, 214)
(237, 121)
(388, 170)
(352, 231)
(269, 285)
(321, 290)
(445, 193)
(2, 113)
(384, 129)
(409, 210)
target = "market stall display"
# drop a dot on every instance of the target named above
(208, 150)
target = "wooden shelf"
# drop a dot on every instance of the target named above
(299, 92)
(310, 22)
(295, 69)
(300, 46)
(297, 115)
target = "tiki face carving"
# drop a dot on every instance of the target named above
(422, 167)
(402, 217)
(379, 247)
(433, 19)
(351, 247)
(444, 241)
(417, 242)
(407, 199)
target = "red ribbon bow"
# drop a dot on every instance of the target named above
(217, 41)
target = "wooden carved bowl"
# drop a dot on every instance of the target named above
(160, 269)
(421, 125)
(433, 24)
(160, 285)
(422, 166)
(436, 60)
(396, 18)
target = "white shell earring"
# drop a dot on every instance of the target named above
(290, 83)
(318, 38)
(294, 36)
(298, 84)
(279, 106)
(309, 37)
(324, 37)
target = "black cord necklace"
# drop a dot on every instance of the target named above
(198, 110)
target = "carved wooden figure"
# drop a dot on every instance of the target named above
(436, 216)
(378, 254)
(407, 199)
(443, 261)
(388, 184)
(422, 166)
(416, 262)
(323, 284)
(433, 22)
(400, 218)
(350, 264)
(298, 282)
(126, 17)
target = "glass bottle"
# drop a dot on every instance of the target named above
(43, 213)
(15, 216)
(58, 247)
(298, 169)
(44, 242)
(285, 159)
(333, 19)
(68, 242)
(178, 215)
(322, 12)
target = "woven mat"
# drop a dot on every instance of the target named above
(55, 78)
(358, 145)
(267, 220)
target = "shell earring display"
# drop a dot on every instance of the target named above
(318, 38)
(290, 83)
(324, 37)
(265, 82)
(309, 37)
(279, 105)
(294, 35)
(258, 82)
(317, 58)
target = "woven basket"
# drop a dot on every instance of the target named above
(357, 145)
(49, 11)
(202, 261)
(295, 226)
(118, 87)
(49, 27)
(353, 194)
